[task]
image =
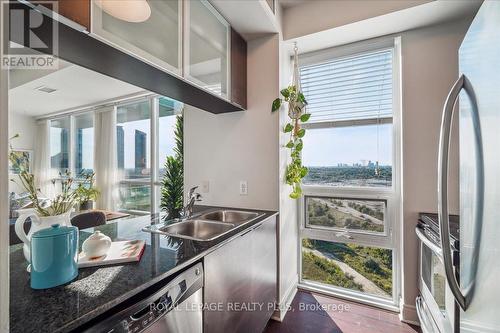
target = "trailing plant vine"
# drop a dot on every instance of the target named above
(295, 171)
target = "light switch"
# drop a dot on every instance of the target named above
(205, 186)
(243, 187)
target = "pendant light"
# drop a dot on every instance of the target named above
(134, 11)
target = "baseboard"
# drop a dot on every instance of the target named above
(408, 314)
(284, 304)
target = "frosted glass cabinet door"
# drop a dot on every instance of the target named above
(207, 47)
(155, 39)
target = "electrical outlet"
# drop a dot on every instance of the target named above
(243, 187)
(205, 186)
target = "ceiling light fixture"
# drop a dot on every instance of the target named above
(135, 11)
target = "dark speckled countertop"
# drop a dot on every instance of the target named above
(98, 289)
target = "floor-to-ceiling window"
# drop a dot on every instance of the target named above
(144, 138)
(60, 144)
(349, 212)
(133, 141)
(84, 144)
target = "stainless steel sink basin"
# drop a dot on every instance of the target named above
(207, 226)
(194, 229)
(229, 216)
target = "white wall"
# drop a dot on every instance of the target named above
(429, 68)
(315, 16)
(227, 148)
(289, 227)
(4, 201)
(25, 126)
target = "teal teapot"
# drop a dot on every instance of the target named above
(54, 256)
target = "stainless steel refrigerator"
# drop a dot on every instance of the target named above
(477, 288)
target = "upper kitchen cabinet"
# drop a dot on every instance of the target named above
(238, 70)
(151, 31)
(77, 11)
(207, 48)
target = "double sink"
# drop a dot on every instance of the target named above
(206, 227)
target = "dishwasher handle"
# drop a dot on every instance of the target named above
(165, 304)
(148, 310)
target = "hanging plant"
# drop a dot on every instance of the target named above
(293, 95)
(295, 171)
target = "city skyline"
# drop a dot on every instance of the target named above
(348, 145)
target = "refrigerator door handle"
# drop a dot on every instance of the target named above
(444, 144)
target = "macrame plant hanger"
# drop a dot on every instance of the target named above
(292, 110)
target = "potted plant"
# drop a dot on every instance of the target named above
(45, 212)
(86, 191)
(172, 191)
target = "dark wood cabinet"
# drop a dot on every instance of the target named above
(238, 70)
(75, 10)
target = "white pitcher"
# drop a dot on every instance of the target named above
(37, 223)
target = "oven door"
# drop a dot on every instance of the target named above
(436, 297)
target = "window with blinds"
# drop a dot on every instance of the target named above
(349, 89)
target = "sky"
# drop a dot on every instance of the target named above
(331, 146)
(322, 147)
(165, 136)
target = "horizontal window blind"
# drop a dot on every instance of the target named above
(351, 88)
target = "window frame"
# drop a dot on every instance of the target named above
(336, 230)
(154, 181)
(72, 142)
(390, 239)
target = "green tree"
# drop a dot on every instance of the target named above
(172, 191)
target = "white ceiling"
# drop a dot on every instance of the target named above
(76, 87)
(291, 3)
(428, 14)
(249, 18)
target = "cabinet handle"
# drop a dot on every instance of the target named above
(251, 229)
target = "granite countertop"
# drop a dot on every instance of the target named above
(98, 289)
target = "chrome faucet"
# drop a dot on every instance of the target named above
(187, 210)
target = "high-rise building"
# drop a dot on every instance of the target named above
(140, 150)
(120, 146)
(60, 160)
(79, 150)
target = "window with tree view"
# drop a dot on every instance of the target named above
(346, 214)
(347, 246)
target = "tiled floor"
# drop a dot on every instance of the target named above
(320, 314)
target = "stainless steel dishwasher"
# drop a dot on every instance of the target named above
(176, 307)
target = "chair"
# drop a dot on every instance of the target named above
(88, 220)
